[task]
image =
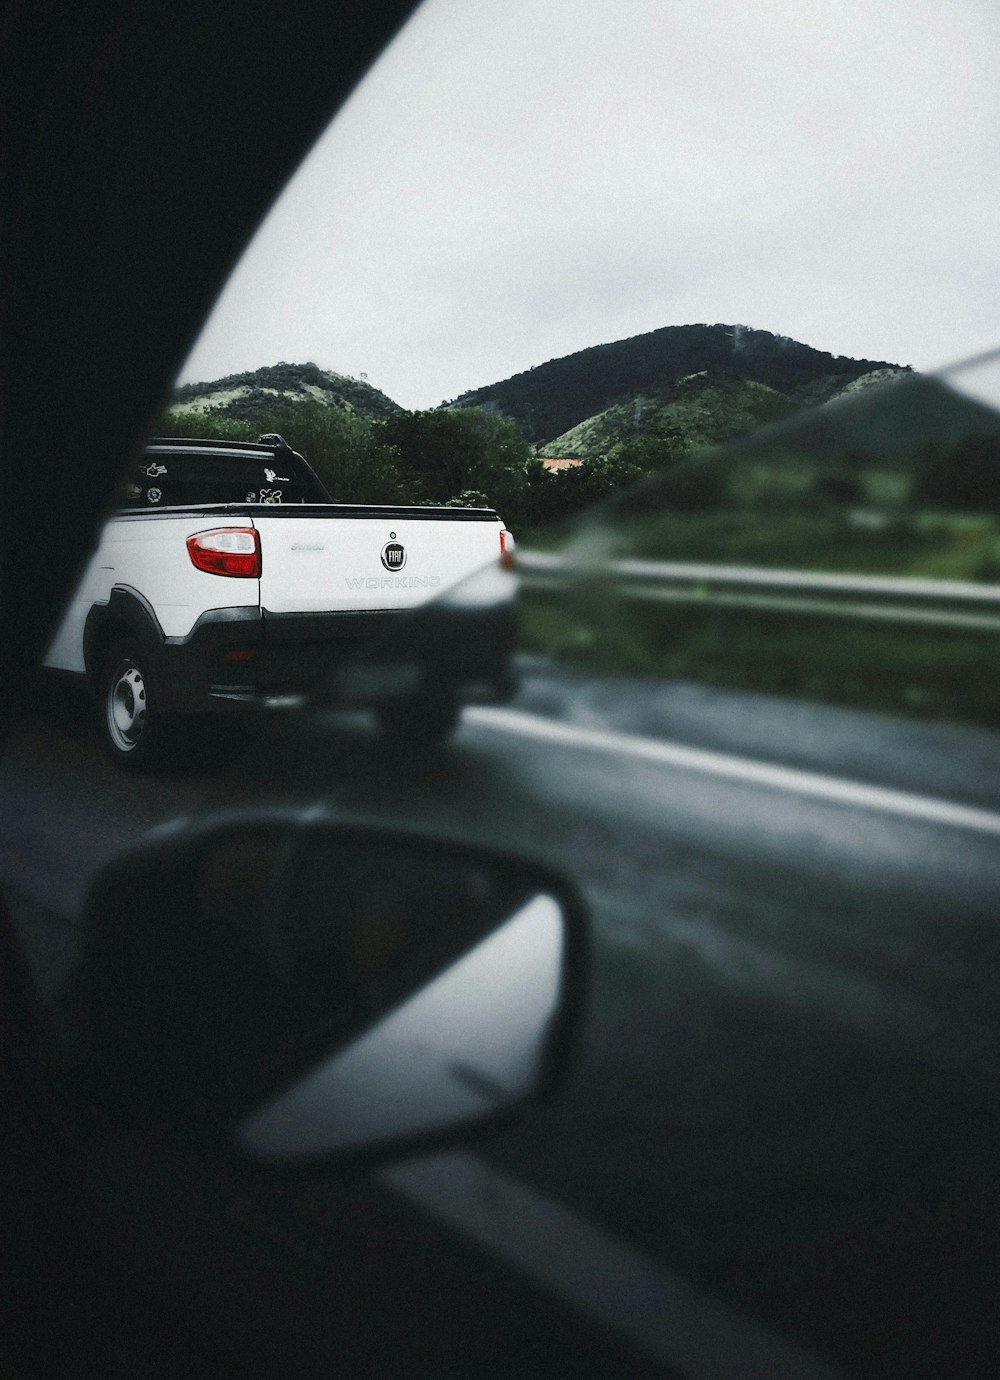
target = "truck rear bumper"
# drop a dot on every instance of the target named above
(241, 659)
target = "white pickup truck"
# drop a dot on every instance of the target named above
(228, 579)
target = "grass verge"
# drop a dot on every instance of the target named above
(926, 673)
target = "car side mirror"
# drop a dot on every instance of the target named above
(281, 988)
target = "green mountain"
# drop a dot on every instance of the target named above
(681, 372)
(253, 396)
(703, 408)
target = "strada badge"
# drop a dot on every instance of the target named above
(387, 582)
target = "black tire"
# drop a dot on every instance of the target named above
(130, 725)
(416, 725)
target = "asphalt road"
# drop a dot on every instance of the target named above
(787, 1086)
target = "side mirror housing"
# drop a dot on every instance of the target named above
(278, 988)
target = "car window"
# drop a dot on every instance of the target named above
(172, 475)
(726, 658)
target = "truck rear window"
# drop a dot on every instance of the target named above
(170, 477)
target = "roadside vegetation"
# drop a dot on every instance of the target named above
(838, 490)
(467, 458)
(920, 672)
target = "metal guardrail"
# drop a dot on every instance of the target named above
(929, 603)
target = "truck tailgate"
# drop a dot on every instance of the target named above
(340, 558)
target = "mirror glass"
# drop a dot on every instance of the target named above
(467, 1044)
(288, 987)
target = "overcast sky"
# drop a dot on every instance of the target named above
(516, 181)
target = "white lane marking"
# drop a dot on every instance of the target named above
(616, 1285)
(928, 809)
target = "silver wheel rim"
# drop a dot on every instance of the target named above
(126, 707)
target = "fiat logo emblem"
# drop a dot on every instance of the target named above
(393, 555)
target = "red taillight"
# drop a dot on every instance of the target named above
(506, 550)
(227, 551)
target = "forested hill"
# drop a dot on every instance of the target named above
(252, 396)
(552, 398)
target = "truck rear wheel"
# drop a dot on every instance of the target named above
(129, 722)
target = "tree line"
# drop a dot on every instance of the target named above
(462, 457)
(471, 457)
